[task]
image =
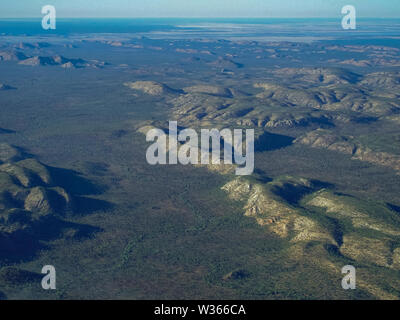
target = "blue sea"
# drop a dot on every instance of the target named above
(265, 29)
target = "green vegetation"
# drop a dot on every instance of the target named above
(76, 190)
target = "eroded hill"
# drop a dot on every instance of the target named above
(34, 206)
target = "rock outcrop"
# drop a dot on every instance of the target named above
(27, 192)
(324, 139)
(60, 61)
(151, 87)
(272, 211)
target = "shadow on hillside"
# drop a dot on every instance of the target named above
(294, 193)
(80, 189)
(74, 183)
(270, 141)
(31, 235)
(6, 131)
(22, 245)
(393, 208)
(86, 205)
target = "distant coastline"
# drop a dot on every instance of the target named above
(254, 29)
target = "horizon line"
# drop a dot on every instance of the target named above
(171, 17)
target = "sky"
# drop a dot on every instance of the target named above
(199, 8)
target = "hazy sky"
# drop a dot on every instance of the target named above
(199, 8)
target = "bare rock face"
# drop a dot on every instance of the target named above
(151, 87)
(38, 201)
